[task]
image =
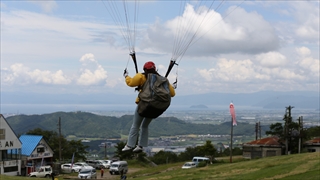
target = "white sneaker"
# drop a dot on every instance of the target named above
(127, 148)
(138, 149)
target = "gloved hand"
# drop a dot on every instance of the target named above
(125, 73)
(174, 85)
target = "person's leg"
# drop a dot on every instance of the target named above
(134, 131)
(144, 133)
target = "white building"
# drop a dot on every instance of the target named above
(35, 152)
(10, 150)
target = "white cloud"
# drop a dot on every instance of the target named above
(87, 57)
(271, 59)
(307, 63)
(268, 71)
(19, 74)
(46, 26)
(284, 75)
(303, 51)
(242, 31)
(48, 77)
(302, 25)
(95, 75)
(206, 74)
(88, 77)
(307, 14)
(92, 73)
(230, 71)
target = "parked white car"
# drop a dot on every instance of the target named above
(87, 174)
(95, 164)
(103, 164)
(69, 168)
(189, 165)
(44, 171)
(119, 167)
(197, 159)
(84, 165)
(108, 163)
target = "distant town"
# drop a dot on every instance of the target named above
(311, 117)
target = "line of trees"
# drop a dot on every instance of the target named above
(277, 129)
(67, 147)
(164, 157)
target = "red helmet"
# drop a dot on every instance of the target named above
(149, 65)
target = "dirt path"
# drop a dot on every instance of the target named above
(107, 175)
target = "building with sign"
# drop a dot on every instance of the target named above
(35, 152)
(10, 150)
(313, 145)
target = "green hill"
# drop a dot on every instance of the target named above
(88, 125)
(304, 166)
(291, 167)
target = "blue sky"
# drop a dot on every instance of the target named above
(63, 47)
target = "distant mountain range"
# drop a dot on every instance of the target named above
(263, 99)
(89, 125)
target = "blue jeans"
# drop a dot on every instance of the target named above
(139, 121)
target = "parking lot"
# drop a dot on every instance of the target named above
(106, 174)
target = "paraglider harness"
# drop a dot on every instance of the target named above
(154, 95)
(172, 63)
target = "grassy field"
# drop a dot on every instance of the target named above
(289, 167)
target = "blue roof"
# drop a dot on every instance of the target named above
(29, 143)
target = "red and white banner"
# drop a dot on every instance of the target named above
(233, 114)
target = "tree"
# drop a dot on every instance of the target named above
(122, 154)
(237, 151)
(77, 148)
(291, 134)
(189, 153)
(311, 132)
(68, 147)
(163, 157)
(209, 150)
(226, 152)
(275, 130)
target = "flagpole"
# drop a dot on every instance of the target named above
(233, 123)
(231, 140)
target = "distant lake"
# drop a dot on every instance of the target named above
(50, 108)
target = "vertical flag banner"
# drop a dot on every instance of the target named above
(72, 160)
(233, 114)
(42, 160)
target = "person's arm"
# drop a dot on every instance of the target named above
(137, 80)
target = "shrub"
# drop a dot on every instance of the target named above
(202, 164)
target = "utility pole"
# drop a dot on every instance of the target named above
(259, 130)
(59, 128)
(287, 131)
(256, 131)
(300, 134)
